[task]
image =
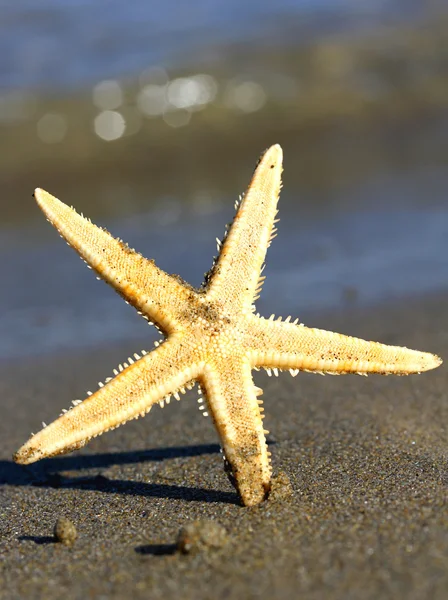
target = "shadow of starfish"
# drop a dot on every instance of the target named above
(46, 474)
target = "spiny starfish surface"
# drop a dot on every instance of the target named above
(213, 337)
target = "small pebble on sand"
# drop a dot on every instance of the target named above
(201, 536)
(65, 531)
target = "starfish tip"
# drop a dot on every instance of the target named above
(41, 196)
(275, 152)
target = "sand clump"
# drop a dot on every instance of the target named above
(65, 531)
(201, 536)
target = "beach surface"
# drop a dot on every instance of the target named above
(152, 127)
(366, 458)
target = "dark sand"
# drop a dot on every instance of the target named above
(367, 459)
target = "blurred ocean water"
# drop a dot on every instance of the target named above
(149, 119)
(70, 43)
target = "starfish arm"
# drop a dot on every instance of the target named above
(232, 400)
(129, 395)
(236, 275)
(136, 278)
(285, 345)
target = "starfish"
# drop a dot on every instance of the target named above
(212, 336)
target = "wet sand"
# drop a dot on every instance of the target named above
(366, 458)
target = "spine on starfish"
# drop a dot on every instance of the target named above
(284, 345)
(235, 277)
(132, 393)
(237, 413)
(136, 278)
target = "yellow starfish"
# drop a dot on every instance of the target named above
(212, 337)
